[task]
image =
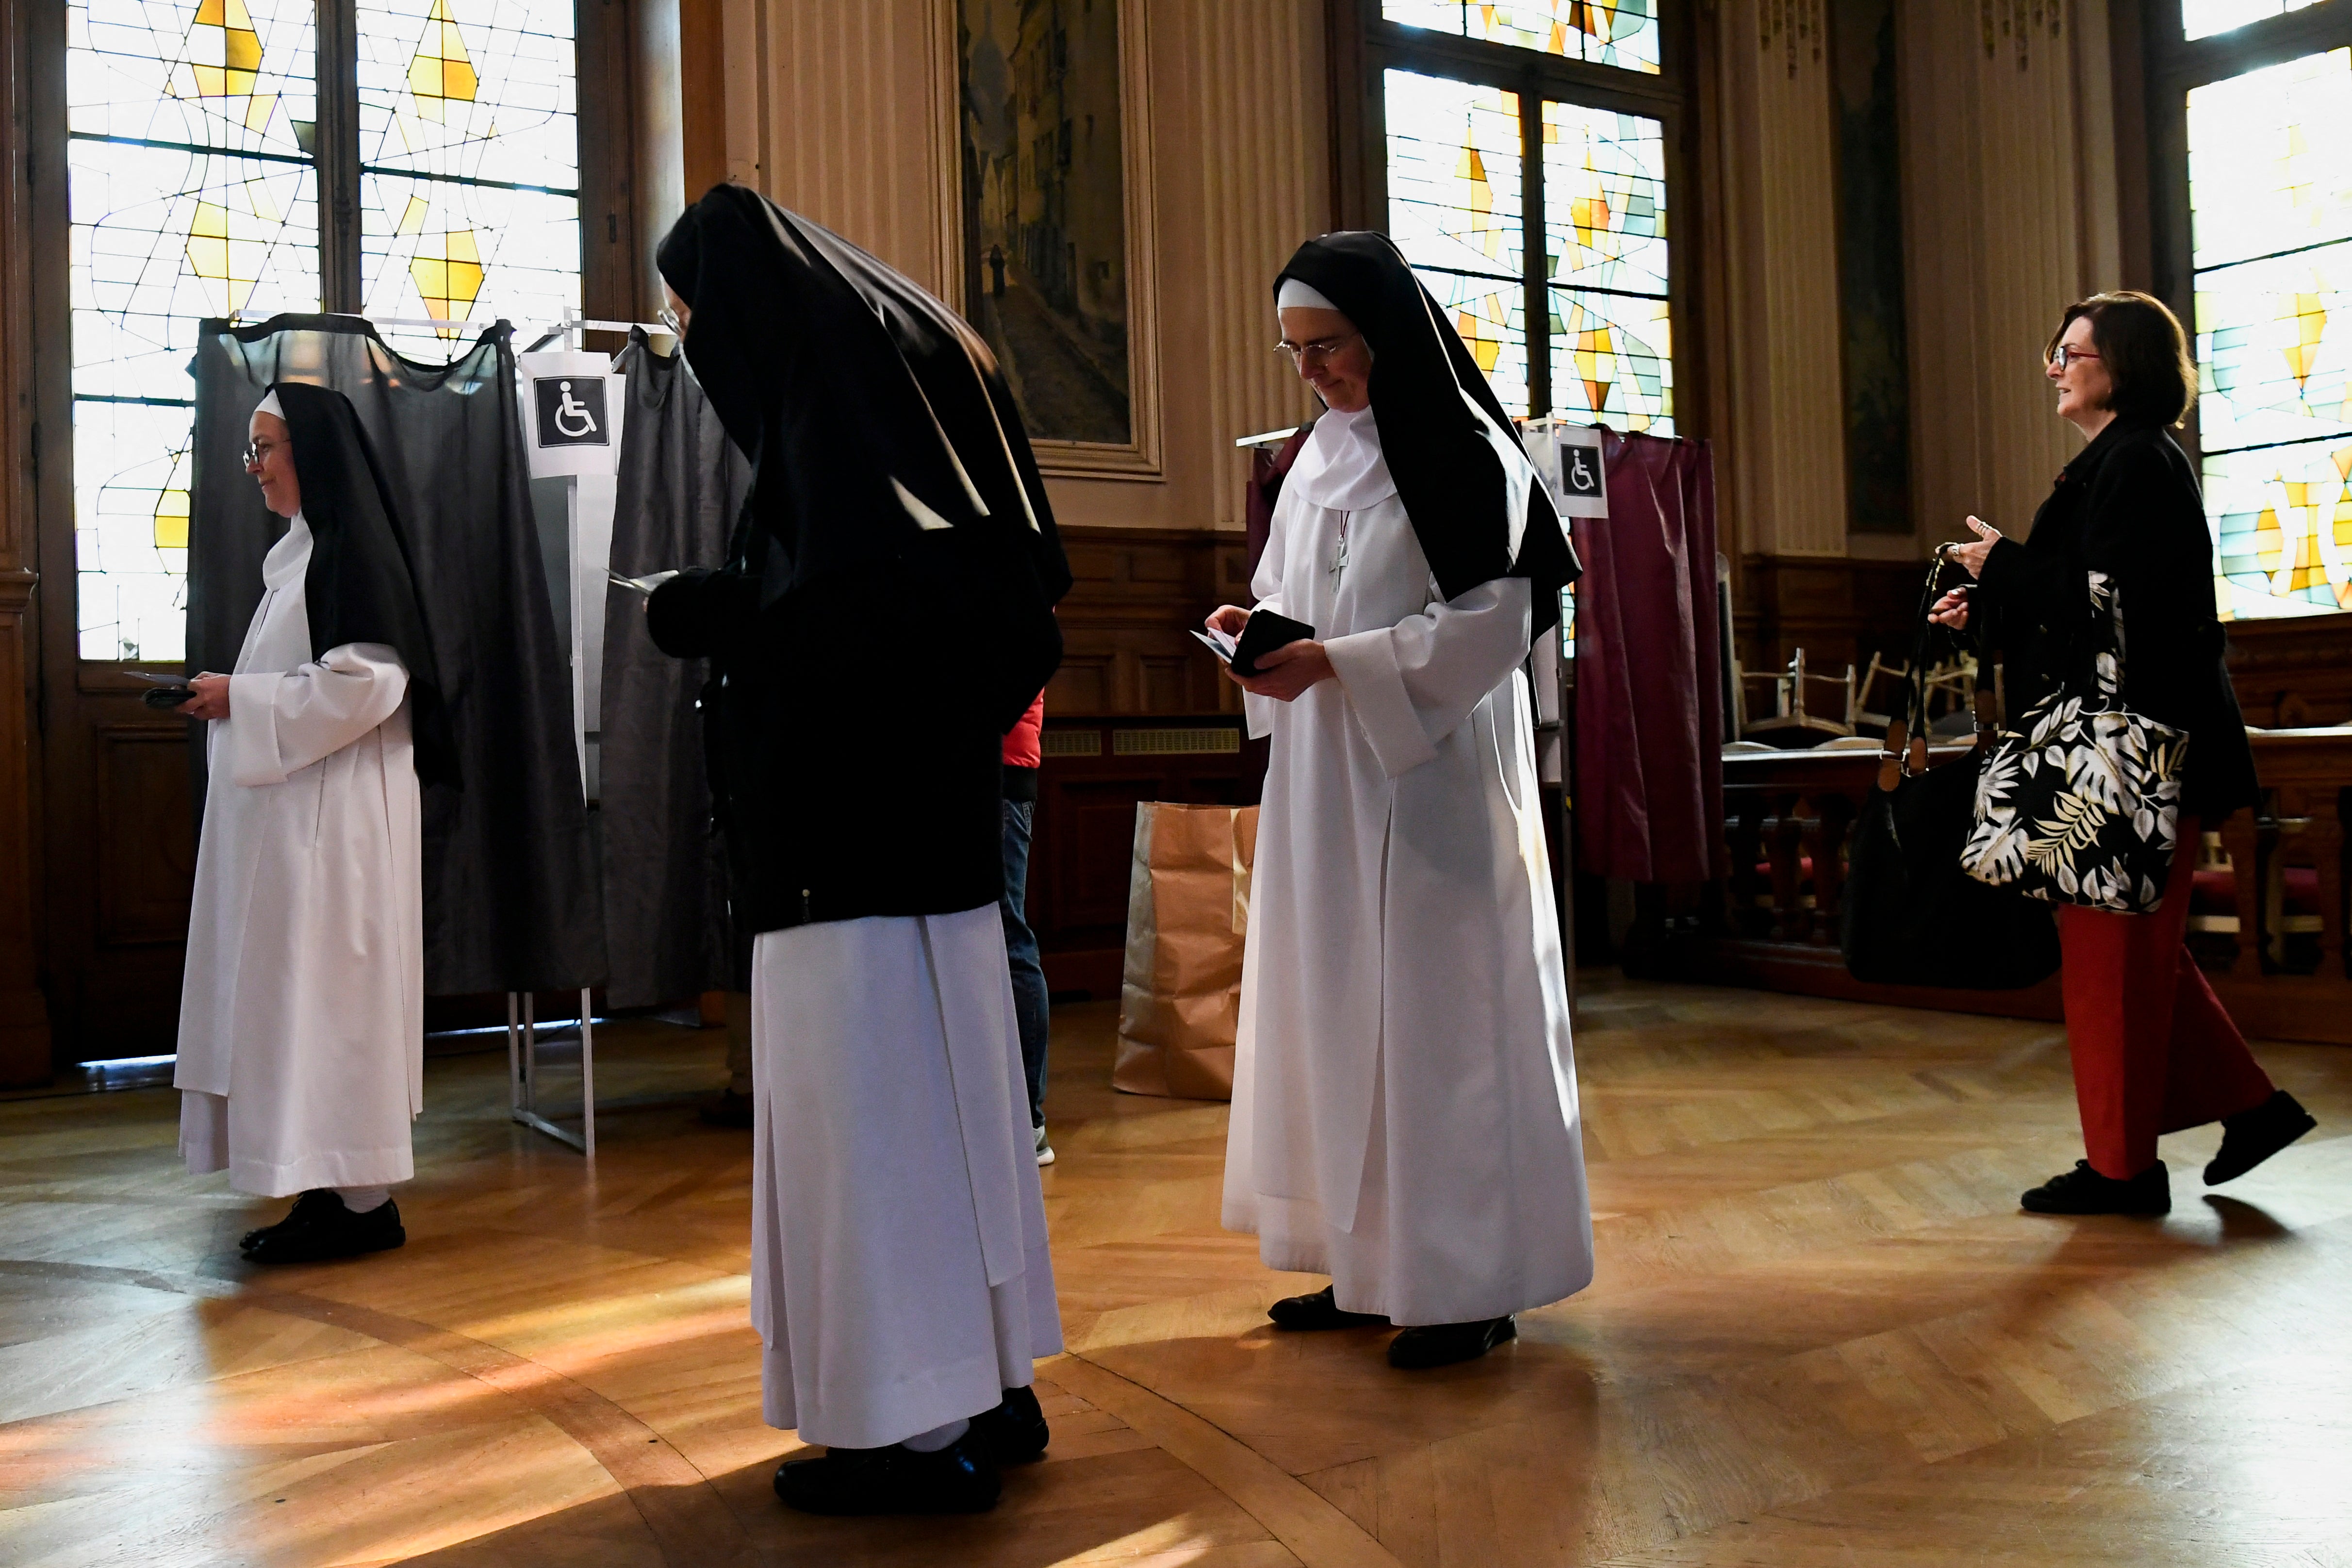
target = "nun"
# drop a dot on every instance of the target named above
(884, 618)
(1404, 1115)
(302, 1011)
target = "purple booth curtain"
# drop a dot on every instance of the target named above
(1649, 713)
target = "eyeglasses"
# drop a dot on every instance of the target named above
(668, 318)
(258, 452)
(2063, 355)
(1320, 350)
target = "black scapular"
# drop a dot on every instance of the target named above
(1912, 917)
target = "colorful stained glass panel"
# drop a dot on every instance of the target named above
(2270, 159)
(2270, 186)
(2274, 349)
(2203, 18)
(1604, 192)
(1613, 361)
(470, 152)
(2283, 523)
(1455, 174)
(1491, 314)
(1624, 34)
(190, 192)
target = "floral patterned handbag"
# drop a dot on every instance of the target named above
(2079, 803)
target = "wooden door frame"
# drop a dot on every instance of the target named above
(25, 1031)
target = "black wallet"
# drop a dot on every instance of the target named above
(166, 696)
(1266, 632)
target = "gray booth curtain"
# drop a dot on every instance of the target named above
(681, 484)
(512, 898)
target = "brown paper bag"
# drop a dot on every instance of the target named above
(1187, 912)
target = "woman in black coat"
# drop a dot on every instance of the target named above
(2153, 1051)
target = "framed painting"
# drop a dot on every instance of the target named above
(1051, 237)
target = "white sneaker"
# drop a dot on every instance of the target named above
(1045, 1150)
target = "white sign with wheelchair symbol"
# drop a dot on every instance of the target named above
(571, 411)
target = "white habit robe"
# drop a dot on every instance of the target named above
(899, 1273)
(1404, 1114)
(302, 1013)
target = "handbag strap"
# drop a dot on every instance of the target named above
(1905, 751)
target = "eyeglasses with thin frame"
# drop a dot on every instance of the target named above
(256, 452)
(1320, 350)
(668, 318)
(2065, 354)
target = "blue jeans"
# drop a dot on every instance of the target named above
(1029, 1004)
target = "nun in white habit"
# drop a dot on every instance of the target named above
(885, 615)
(301, 1013)
(1405, 1113)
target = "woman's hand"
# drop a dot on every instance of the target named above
(1971, 556)
(211, 698)
(1287, 670)
(1229, 619)
(1952, 610)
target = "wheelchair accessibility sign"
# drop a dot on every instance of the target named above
(571, 411)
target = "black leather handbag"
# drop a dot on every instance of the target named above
(1912, 916)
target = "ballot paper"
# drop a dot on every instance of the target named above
(644, 584)
(1217, 643)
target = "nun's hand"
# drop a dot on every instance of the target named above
(1952, 610)
(1287, 670)
(1229, 619)
(211, 698)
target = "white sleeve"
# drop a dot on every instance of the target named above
(278, 724)
(1411, 683)
(1265, 585)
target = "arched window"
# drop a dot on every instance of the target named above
(417, 160)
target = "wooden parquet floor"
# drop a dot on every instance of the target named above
(1822, 1334)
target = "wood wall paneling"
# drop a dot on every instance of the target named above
(147, 839)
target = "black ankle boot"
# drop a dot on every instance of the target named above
(2084, 1191)
(1015, 1431)
(1442, 1344)
(2253, 1136)
(1319, 1311)
(958, 1478)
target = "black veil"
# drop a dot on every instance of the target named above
(1447, 473)
(882, 439)
(361, 581)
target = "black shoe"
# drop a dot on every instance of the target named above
(1321, 1311)
(958, 1478)
(2253, 1136)
(306, 1208)
(2084, 1191)
(1442, 1344)
(326, 1230)
(1014, 1432)
(729, 1110)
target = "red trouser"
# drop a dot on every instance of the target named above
(2153, 1050)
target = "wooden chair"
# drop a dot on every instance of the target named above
(1790, 711)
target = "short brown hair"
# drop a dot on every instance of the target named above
(2145, 351)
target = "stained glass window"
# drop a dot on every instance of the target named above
(191, 193)
(2203, 18)
(1624, 34)
(1455, 191)
(194, 191)
(1457, 194)
(469, 163)
(1605, 248)
(2270, 173)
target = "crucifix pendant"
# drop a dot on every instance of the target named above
(1339, 556)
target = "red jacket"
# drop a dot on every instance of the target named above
(1021, 749)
